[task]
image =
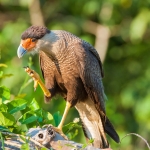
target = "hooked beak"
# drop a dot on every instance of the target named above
(21, 51)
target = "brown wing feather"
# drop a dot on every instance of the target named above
(47, 68)
(91, 49)
(91, 75)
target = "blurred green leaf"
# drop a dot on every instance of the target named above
(3, 65)
(71, 129)
(72, 134)
(70, 126)
(48, 118)
(91, 141)
(57, 118)
(33, 105)
(84, 146)
(5, 75)
(22, 137)
(2, 141)
(48, 115)
(3, 108)
(4, 92)
(6, 119)
(39, 113)
(139, 24)
(1, 74)
(30, 62)
(43, 148)
(91, 7)
(16, 105)
(25, 146)
(28, 117)
(2, 128)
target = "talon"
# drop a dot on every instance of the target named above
(35, 76)
(58, 130)
(26, 67)
(46, 126)
(31, 72)
(35, 84)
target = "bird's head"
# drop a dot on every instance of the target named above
(30, 39)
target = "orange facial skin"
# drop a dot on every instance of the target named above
(28, 44)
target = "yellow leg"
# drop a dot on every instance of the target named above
(68, 105)
(59, 128)
(37, 81)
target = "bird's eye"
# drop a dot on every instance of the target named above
(34, 39)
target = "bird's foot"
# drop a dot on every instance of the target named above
(33, 75)
(58, 130)
(36, 78)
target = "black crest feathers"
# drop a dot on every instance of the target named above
(35, 32)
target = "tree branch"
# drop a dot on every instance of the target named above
(39, 138)
(35, 13)
(102, 34)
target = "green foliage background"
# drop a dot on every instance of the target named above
(127, 69)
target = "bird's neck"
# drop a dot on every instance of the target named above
(49, 44)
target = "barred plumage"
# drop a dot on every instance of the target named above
(72, 68)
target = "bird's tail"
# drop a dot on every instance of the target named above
(92, 124)
(109, 129)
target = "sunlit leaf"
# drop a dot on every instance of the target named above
(16, 105)
(39, 113)
(48, 118)
(84, 146)
(1, 74)
(4, 92)
(28, 117)
(23, 138)
(72, 134)
(25, 146)
(34, 105)
(70, 126)
(6, 75)
(3, 107)
(139, 24)
(6, 119)
(43, 148)
(3, 65)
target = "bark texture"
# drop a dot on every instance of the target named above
(38, 138)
